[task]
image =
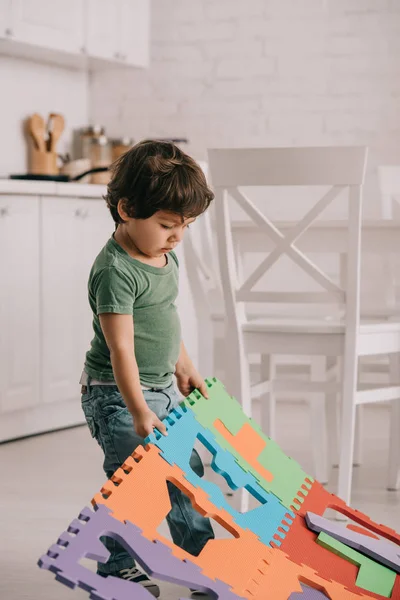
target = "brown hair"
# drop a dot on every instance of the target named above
(157, 175)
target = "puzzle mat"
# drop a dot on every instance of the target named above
(284, 549)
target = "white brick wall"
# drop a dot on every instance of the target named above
(265, 72)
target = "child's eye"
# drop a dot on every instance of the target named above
(166, 226)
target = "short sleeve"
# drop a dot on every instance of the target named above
(114, 292)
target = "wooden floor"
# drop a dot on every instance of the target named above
(46, 480)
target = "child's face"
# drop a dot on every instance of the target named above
(158, 234)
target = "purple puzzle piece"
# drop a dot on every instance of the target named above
(82, 539)
(308, 593)
(382, 551)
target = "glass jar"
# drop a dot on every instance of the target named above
(119, 146)
(100, 156)
(83, 140)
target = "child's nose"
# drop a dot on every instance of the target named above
(177, 237)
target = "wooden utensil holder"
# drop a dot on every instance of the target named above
(43, 163)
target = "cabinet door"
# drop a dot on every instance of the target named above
(135, 32)
(95, 226)
(5, 18)
(102, 39)
(19, 313)
(55, 24)
(74, 231)
(61, 252)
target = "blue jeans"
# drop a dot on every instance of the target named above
(111, 424)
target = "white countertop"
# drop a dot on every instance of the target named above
(51, 188)
(54, 188)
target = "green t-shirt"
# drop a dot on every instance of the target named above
(121, 284)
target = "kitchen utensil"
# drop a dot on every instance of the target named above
(37, 130)
(55, 126)
(75, 168)
(43, 163)
(63, 177)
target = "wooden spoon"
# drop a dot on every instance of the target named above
(56, 126)
(37, 129)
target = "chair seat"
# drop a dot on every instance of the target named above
(316, 326)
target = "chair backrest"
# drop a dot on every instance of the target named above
(337, 167)
(389, 184)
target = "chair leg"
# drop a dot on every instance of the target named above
(332, 417)
(358, 439)
(394, 437)
(347, 427)
(268, 400)
(319, 423)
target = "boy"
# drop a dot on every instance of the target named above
(155, 193)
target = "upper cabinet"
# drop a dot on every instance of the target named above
(80, 33)
(102, 24)
(118, 30)
(135, 32)
(54, 24)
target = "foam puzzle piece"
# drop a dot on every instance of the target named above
(255, 452)
(269, 522)
(371, 576)
(377, 548)
(308, 593)
(138, 493)
(82, 539)
(300, 543)
(233, 560)
(278, 577)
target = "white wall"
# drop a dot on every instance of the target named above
(265, 72)
(28, 87)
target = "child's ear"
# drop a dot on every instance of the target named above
(121, 207)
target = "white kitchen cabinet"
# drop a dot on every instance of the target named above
(118, 30)
(19, 314)
(102, 23)
(55, 24)
(135, 32)
(73, 232)
(47, 247)
(77, 33)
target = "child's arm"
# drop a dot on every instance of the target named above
(187, 377)
(118, 332)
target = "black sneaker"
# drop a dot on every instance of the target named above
(137, 576)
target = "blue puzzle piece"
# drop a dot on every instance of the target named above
(176, 449)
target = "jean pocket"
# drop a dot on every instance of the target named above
(88, 412)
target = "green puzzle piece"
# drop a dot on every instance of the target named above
(372, 576)
(288, 476)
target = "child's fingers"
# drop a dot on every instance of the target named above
(161, 427)
(203, 389)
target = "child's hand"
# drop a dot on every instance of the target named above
(188, 379)
(145, 421)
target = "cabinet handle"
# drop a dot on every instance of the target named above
(83, 50)
(81, 213)
(8, 32)
(4, 211)
(117, 55)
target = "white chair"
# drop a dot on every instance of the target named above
(203, 275)
(342, 169)
(389, 185)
